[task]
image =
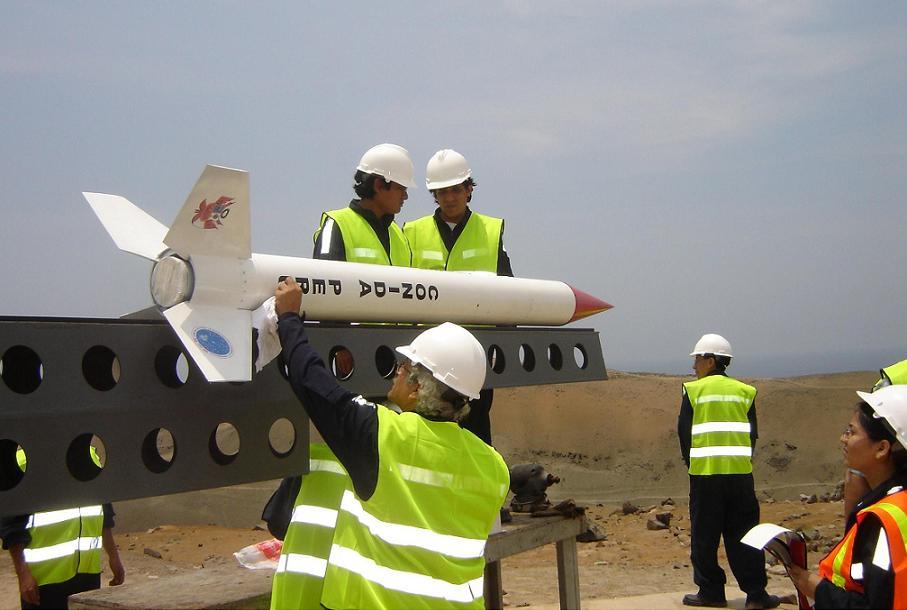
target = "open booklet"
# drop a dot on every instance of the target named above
(787, 546)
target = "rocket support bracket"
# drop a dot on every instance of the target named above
(126, 387)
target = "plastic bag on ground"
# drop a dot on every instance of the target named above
(260, 556)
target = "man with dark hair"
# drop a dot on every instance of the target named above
(365, 231)
(455, 238)
(717, 431)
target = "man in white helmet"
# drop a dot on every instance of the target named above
(717, 431)
(365, 231)
(423, 493)
(455, 238)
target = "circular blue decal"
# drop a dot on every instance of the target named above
(213, 342)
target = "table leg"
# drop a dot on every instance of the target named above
(568, 574)
(494, 589)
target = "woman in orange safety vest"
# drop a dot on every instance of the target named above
(868, 568)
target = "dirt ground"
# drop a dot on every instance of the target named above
(610, 442)
(631, 561)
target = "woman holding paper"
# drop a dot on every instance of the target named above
(868, 568)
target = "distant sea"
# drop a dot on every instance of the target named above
(772, 365)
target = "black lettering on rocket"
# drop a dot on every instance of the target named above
(317, 285)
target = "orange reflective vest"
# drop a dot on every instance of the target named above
(837, 566)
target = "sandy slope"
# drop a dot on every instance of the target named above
(608, 441)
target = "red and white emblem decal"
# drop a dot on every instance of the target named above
(212, 215)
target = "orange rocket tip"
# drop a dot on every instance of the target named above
(587, 305)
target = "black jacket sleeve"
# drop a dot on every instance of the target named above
(13, 530)
(878, 583)
(504, 267)
(685, 428)
(108, 515)
(347, 422)
(754, 425)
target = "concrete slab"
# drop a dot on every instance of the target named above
(655, 601)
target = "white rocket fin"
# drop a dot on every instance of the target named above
(132, 229)
(215, 219)
(219, 339)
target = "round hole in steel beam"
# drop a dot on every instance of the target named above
(527, 358)
(282, 437)
(101, 368)
(22, 369)
(580, 356)
(12, 463)
(171, 366)
(224, 443)
(342, 362)
(158, 450)
(385, 361)
(86, 456)
(555, 357)
(496, 359)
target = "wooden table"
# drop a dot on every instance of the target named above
(526, 533)
(231, 586)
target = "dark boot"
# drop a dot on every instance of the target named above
(698, 599)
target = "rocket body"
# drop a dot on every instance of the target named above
(207, 280)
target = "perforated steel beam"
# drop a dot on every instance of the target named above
(125, 387)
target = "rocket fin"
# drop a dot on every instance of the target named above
(132, 229)
(219, 339)
(215, 219)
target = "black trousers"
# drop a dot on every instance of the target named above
(479, 419)
(56, 596)
(724, 505)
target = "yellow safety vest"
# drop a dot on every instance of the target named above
(419, 541)
(895, 374)
(299, 579)
(362, 244)
(63, 542)
(476, 249)
(720, 441)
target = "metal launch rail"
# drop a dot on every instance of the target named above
(126, 388)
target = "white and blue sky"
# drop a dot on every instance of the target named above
(730, 167)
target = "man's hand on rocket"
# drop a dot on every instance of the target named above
(287, 297)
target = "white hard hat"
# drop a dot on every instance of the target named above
(446, 168)
(389, 161)
(712, 344)
(890, 403)
(453, 355)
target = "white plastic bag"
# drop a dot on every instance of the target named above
(260, 556)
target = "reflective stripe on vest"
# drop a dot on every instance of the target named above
(720, 433)
(64, 543)
(362, 244)
(299, 579)
(839, 567)
(892, 511)
(407, 582)
(836, 566)
(418, 542)
(476, 249)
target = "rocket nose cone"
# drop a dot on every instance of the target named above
(587, 305)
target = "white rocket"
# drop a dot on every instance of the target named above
(207, 280)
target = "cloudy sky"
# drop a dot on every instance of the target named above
(731, 167)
